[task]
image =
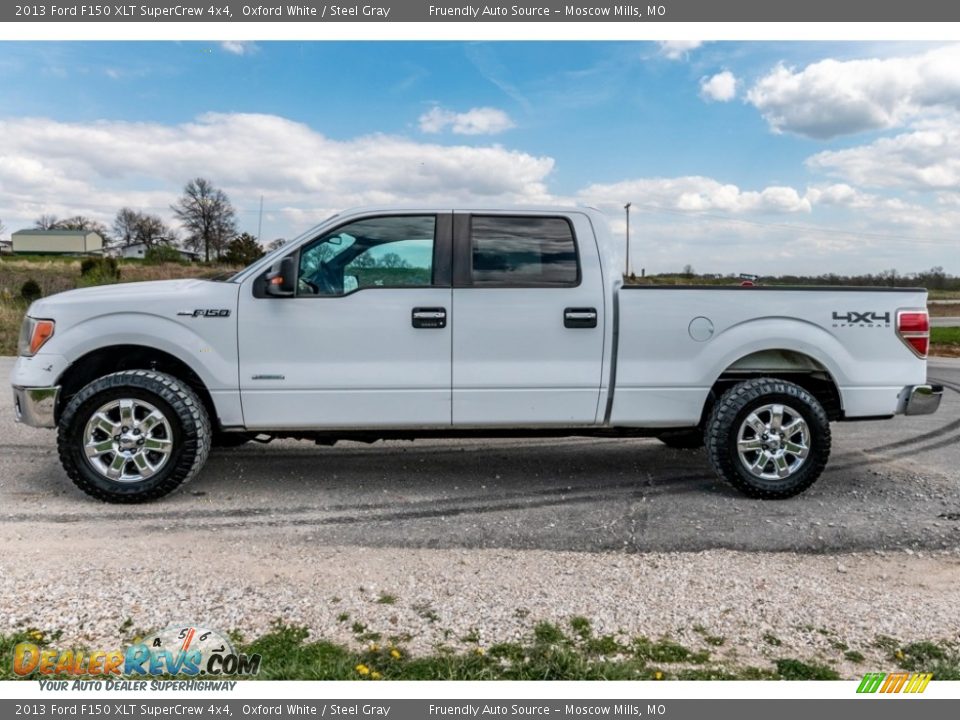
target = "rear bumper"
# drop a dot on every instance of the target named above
(36, 406)
(922, 399)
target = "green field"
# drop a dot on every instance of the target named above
(945, 337)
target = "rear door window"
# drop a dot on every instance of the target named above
(515, 251)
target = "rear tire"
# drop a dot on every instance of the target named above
(768, 438)
(133, 436)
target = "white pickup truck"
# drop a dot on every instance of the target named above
(387, 323)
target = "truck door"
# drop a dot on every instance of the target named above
(365, 340)
(529, 320)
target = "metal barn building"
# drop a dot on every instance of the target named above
(56, 242)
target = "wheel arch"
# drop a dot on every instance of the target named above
(114, 358)
(794, 366)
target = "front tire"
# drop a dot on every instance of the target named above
(768, 438)
(133, 436)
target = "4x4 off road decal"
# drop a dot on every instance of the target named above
(861, 319)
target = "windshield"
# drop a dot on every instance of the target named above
(237, 277)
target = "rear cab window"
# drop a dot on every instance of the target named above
(523, 251)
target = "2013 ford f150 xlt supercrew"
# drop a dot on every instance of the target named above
(385, 323)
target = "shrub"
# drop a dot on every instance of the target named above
(103, 266)
(99, 271)
(162, 253)
(30, 290)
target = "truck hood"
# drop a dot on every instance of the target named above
(155, 297)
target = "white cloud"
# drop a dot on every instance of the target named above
(678, 49)
(476, 121)
(833, 97)
(93, 168)
(697, 194)
(927, 158)
(721, 87)
(239, 47)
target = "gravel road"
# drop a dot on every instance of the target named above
(494, 536)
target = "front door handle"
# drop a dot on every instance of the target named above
(578, 317)
(429, 317)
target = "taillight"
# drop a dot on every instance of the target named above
(913, 327)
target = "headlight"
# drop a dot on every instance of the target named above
(33, 334)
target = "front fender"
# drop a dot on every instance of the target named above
(212, 354)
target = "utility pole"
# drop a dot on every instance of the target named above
(627, 209)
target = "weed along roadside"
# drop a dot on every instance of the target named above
(550, 652)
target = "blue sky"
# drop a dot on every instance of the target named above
(803, 156)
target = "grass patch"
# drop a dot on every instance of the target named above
(667, 651)
(548, 634)
(771, 639)
(11, 317)
(945, 336)
(387, 599)
(425, 611)
(942, 659)
(792, 669)
(854, 656)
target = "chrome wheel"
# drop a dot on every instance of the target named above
(127, 440)
(773, 442)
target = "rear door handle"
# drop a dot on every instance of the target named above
(429, 317)
(580, 317)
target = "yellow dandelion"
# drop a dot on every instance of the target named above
(395, 654)
(658, 675)
(374, 647)
(362, 669)
(36, 635)
(375, 675)
(479, 651)
(899, 654)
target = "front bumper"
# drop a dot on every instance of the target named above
(923, 399)
(36, 406)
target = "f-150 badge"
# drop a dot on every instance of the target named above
(205, 312)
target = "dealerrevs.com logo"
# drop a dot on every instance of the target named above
(184, 649)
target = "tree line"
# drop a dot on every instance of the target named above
(207, 218)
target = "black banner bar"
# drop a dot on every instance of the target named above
(526, 11)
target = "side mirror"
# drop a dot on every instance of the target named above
(350, 283)
(282, 277)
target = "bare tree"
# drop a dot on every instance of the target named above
(84, 224)
(125, 225)
(274, 244)
(132, 226)
(46, 222)
(207, 216)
